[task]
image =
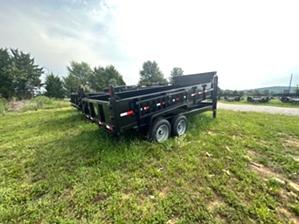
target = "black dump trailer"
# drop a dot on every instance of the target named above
(259, 99)
(159, 111)
(288, 97)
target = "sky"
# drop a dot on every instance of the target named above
(250, 44)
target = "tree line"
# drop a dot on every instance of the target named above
(20, 76)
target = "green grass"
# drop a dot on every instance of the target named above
(57, 168)
(273, 102)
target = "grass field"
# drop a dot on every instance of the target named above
(273, 102)
(239, 168)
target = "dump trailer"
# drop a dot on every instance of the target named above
(158, 112)
(288, 97)
(260, 99)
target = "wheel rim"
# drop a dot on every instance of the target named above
(181, 127)
(162, 133)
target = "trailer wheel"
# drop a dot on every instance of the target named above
(160, 131)
(179, 125)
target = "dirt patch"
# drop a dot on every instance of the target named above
(289, 142)
(99, 197)
(211, 133)
(290, 216)
(163, 192)
(172, 221)
(125, 196)
(264, 143)
(220, 219)
(252, 154)
(266, 172)
(283, 194)
(296, 158)
(214, 203)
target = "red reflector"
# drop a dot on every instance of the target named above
(163, 103)
(110, 91)
(109, 127)
(130, 112)
(146, 107)
(177, 99)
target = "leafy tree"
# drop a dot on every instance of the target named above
(151, 73)
(113, 82)
(102, 77)
(81, 71)
(71, 83)
(80, 74)
(25, 74)
(112, 75)
(6, 80)
(176, 71)
(96, 80)
(54, 86)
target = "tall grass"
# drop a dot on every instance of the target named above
(37, 103)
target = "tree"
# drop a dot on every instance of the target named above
(96, 80)
(151, 74)
(112, 75)
(70, 84)
(176, 71)
(6, 80)
(102, 77)
(24, 73)
(79, 75)
(81, 71)
(54, 86)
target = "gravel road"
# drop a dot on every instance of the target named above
(263, 109)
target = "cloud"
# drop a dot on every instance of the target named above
(249, 43)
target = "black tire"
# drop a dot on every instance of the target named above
(179, 125)
(160, 131)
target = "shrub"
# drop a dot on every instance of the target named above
(3, 106)
(43, 102)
